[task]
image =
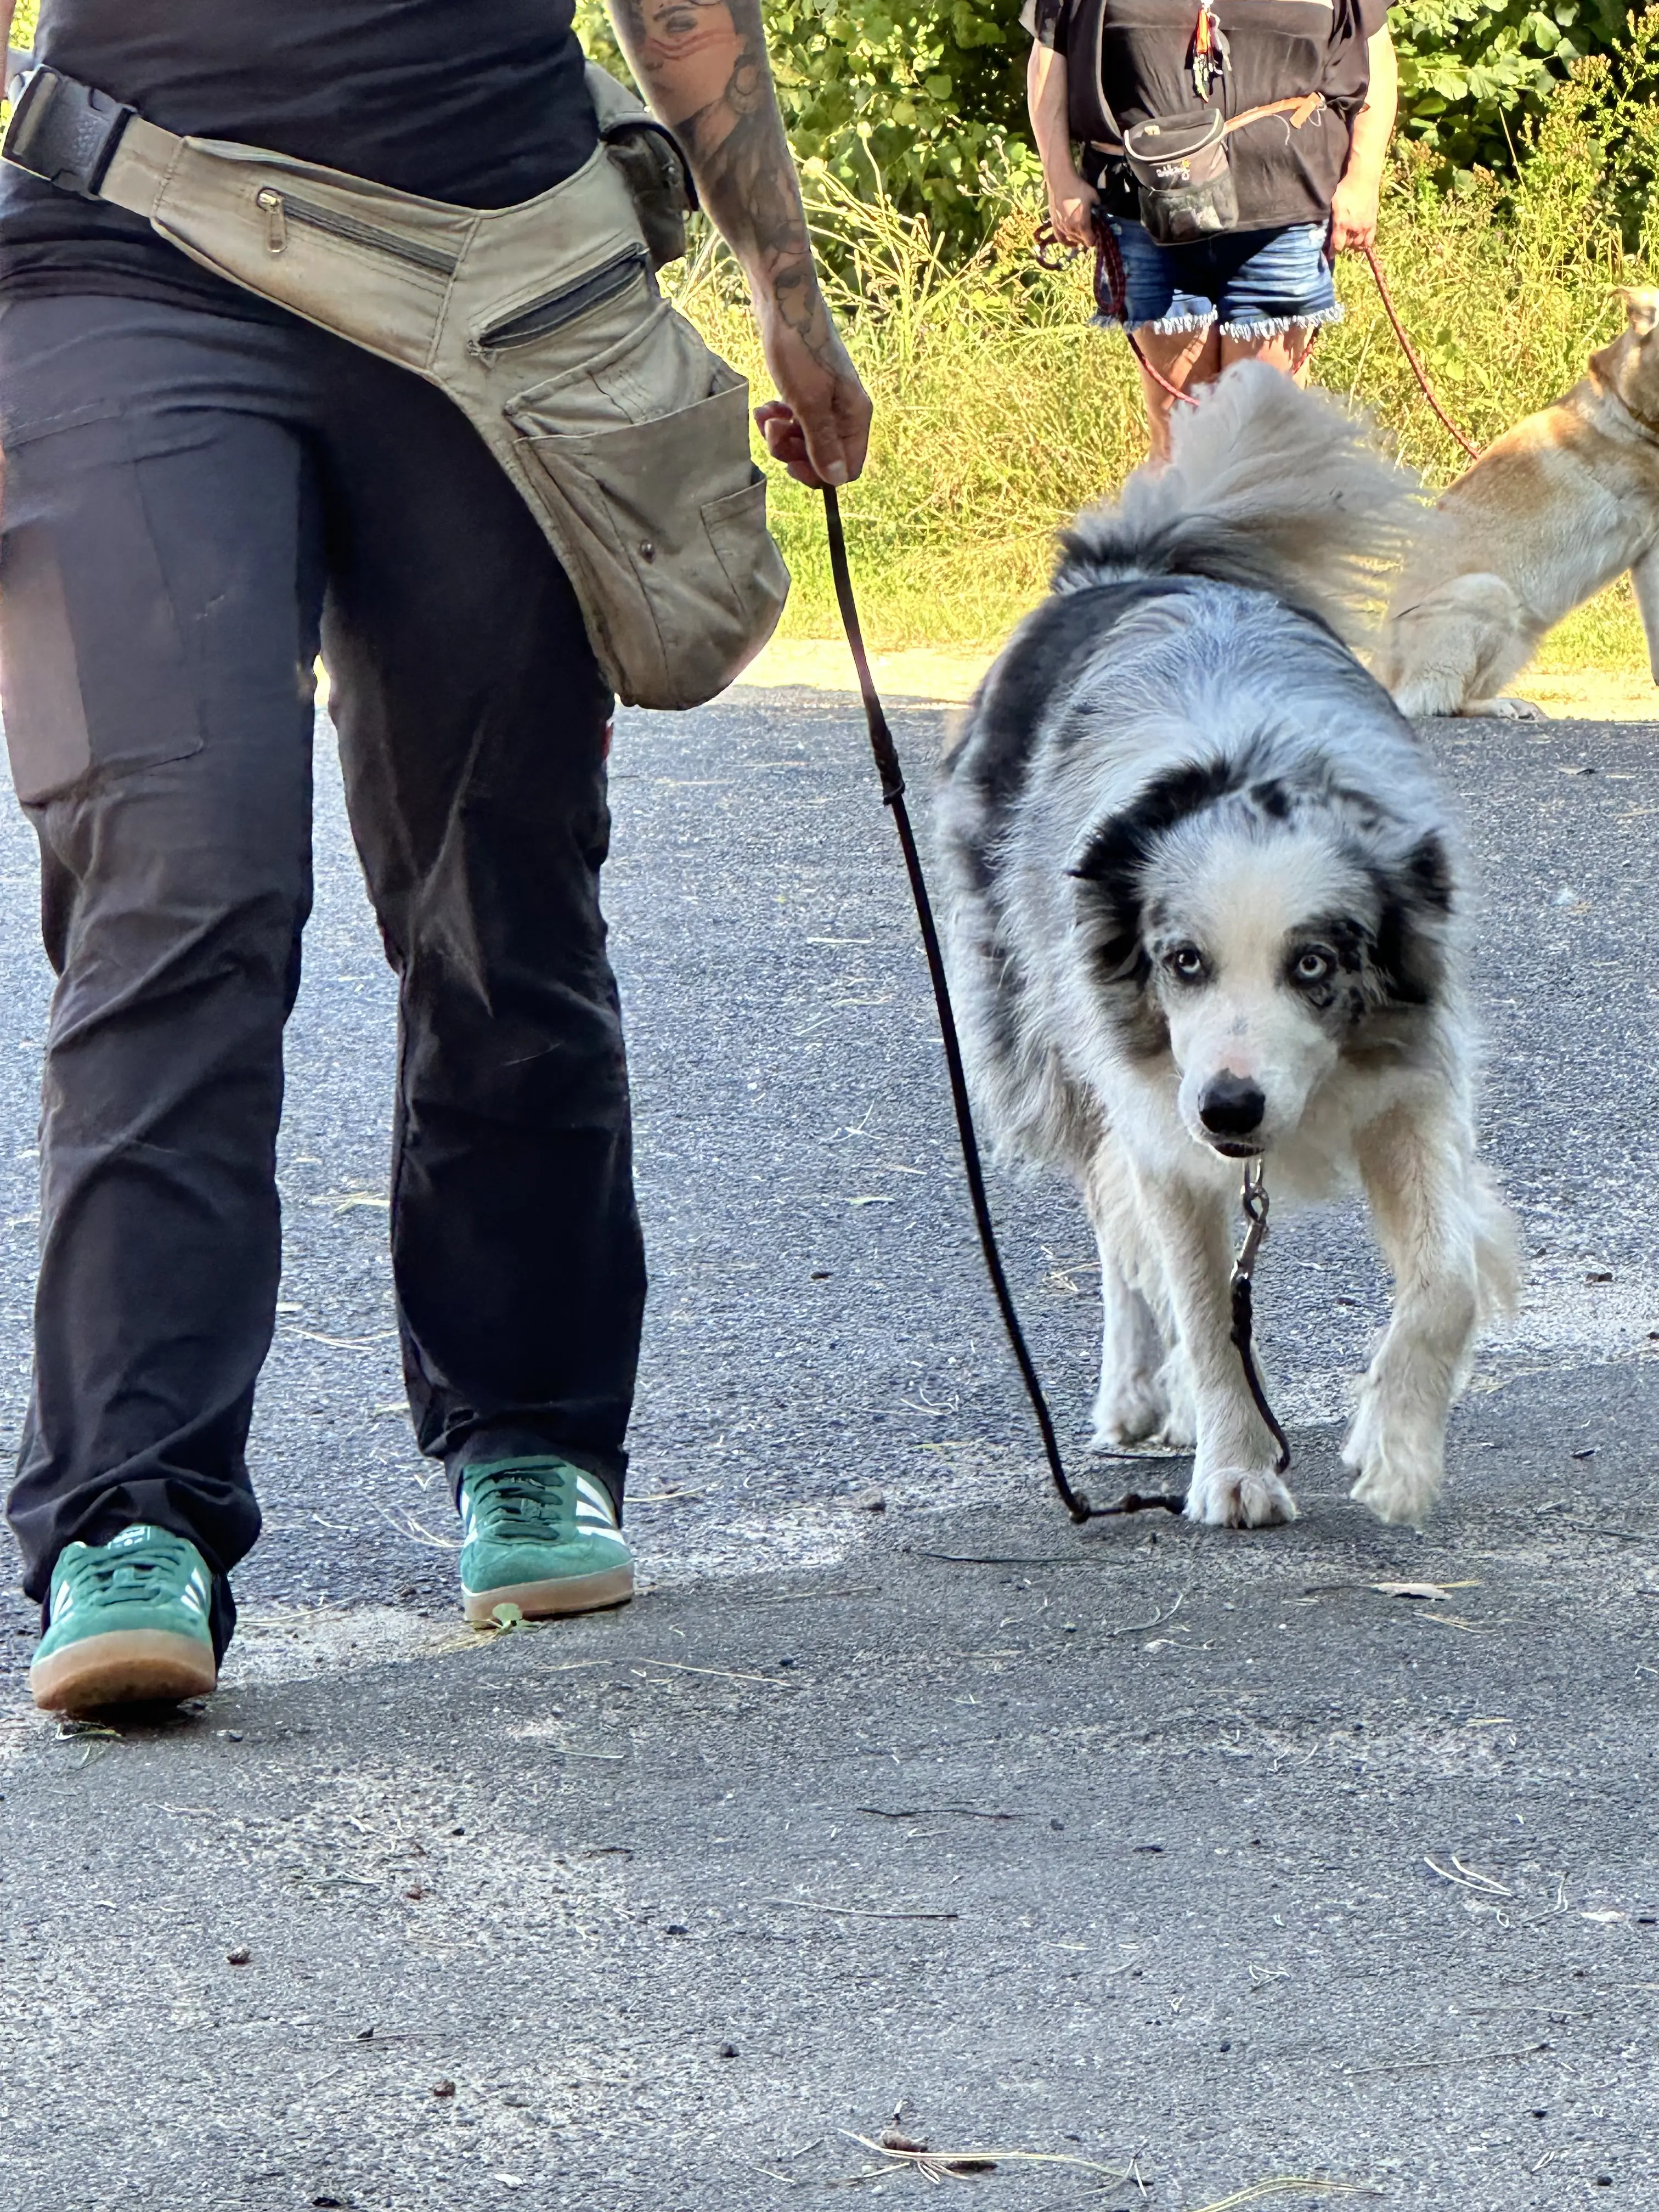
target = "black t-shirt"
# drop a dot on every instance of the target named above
(479, 102)
(1278, 49)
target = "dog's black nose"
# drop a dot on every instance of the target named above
(1231, 1106)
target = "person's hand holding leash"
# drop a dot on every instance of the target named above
(1354, 213)
(1071, 203)
(819, 426)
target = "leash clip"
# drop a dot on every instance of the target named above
(1253, 1204)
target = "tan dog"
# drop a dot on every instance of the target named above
(1551, 512)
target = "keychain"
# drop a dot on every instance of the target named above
(1209, 51)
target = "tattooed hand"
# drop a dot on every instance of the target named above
(702, 64)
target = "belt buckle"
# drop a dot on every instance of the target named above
(66, 131)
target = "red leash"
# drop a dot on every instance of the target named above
(1410, 352)
(1111, 291)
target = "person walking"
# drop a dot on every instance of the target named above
(202, 490)
(1288, 105)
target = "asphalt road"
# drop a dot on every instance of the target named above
(1196, 1857)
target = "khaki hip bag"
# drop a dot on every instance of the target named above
(628, 438)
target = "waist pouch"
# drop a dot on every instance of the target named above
(1183, 176)
(626, 437)
(1182, 169)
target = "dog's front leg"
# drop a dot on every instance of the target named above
(1644, 582)
(1450, 1244)
(1234, 1485)
(1142, 1397)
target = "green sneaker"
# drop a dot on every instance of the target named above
(541, 1535)
(128, 1625)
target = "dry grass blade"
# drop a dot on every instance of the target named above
(416, 1531)
(724, 1674)
(1159, 1616)
(1291, 2184)
(855, 1912)
(1431, 1592)
(1468, 1878)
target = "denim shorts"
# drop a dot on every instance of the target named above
(1253, 282)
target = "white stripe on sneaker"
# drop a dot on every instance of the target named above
(592, 1499)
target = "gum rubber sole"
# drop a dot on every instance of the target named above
(546, 1601)
(133, 1666)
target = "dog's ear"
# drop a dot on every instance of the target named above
(1415, 898)
(1641, 310)
(1112, 861)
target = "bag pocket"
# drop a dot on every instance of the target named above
(621, 284)
(641, 459)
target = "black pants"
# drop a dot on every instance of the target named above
(193, 500)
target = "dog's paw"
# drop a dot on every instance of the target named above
(1401, 1476)
(1504, 710)
(1399, 1489)
(1239, 1497)
(1128, 1411)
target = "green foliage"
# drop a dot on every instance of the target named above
(1614, 103)
(1472, 72)
(926, 93)
(923, 95)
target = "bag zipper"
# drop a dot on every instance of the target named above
(282, 208)
(543, 316)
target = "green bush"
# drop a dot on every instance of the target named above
(923, 95)
(1473, 72)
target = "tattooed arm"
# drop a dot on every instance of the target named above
(703, 68)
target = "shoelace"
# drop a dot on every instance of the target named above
(149, 1577)
(513, 1498)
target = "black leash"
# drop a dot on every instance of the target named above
(1076, 1502)
(1254, 1203)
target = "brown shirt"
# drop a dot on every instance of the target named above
(1279, 48)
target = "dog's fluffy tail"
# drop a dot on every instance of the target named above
(1270, 487)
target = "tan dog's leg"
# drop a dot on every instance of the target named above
(1644, 582)
(1450, 1244)
(1454, 649)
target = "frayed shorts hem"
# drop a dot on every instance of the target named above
(1247, 327)
(1251, 284)
(1272, 326)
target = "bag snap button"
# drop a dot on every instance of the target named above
(647, 551)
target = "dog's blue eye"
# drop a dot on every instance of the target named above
(1314, 967)
(1185, 961)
